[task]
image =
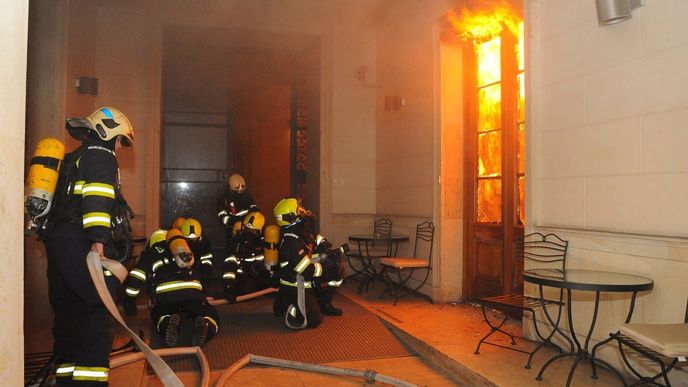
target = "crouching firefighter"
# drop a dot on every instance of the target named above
(167, 264)
(309, 271)
(83, 218)
(244, 270)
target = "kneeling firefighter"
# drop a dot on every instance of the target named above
(310, 271)
(244, 270)
(167, 263)
(87, 213)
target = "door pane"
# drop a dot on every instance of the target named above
(521, 148)
(489, 201)
(194, 164)
(490, 108)
(489, 62)
(490, 154)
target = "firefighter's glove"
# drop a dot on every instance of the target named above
(129, 305)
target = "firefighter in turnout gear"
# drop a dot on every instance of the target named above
(192, 230)
(304, 258)
(244, 270)
(88, 211)
(234, 204)
(167, 265)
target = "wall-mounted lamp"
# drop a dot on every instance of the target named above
(615, 11)
(87, 85)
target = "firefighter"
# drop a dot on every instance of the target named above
(86, 213)
(176, 288)
(235, 202)
(301, 253)
(200, 246)
(244, 270)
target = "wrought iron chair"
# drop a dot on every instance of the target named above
(664, 344)
(361, 258)
(544, 250)
(403, 268)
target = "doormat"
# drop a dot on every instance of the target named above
(250, 327)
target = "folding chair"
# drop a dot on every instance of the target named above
(546, 250)
(664, 344)
(403, 268)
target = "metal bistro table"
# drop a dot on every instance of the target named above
(586, 280)
(364, 246)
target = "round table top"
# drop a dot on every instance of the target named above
(593, 280)
(371, 237)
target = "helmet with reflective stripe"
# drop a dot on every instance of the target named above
(254, 221)
(157, 236)
(107, 123)
(289, 211)
(191, 229)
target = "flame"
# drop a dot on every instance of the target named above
(485, 23)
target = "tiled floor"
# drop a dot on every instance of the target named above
(450, 332)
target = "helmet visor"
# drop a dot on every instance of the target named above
(76, 122)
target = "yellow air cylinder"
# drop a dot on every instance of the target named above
(178, 245)
(272, 234)
(42, 178)
(236, 227)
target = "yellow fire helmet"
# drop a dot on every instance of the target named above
(191, 228)
(254, 221)
(107, 123)
(157, 236)
(178, 223)
(237, 183)
(289, 210)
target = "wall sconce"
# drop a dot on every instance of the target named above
(87, 85)
(615, 11)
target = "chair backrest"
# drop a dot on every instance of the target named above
(425, 233)
(549, 251)
(382, 229)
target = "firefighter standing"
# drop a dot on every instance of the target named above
(168, 265)
(244, 270)
(84, 218)
(299, 251)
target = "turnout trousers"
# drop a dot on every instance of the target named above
(81, 326)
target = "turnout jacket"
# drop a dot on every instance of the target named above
(295, 252)
(233, 206)
(167, 281)
(202, 251)
(91, 193)
(248, 251)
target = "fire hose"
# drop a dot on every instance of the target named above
(168, 378)
(95, 267)
(370, 376)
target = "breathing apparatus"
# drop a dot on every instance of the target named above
(42, 179)
(179, 247)
(272, 236)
